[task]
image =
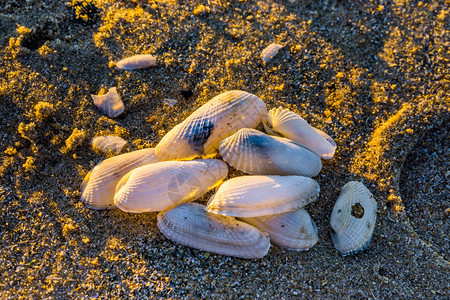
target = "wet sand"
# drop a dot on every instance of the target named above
(373, 75)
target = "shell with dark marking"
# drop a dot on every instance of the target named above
(201, 133)
(257, 153)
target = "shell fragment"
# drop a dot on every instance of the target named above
(191, 225)
(136, 62)
(110, 103)
(353, 218)
(108, 144)
(270, 51)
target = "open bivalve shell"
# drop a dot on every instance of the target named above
(254, 196)
(257, 153)
(201, 133)
(286, 123)
(99, 185)
(294, 230)
(136, 62)
(353, 218)
(108, 144)
(191, 225)
(110, 103)
(163, 185)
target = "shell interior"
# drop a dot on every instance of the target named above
(191, 225)
(353, 218)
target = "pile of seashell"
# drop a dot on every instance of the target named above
(246, 213)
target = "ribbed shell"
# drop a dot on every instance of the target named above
(286, 123)
(99, 185)
(136, 62)
(270, 51)
(109, 144)
(254, 196)
(257, 153)
(163, 185)
(353, 218)
(294, 230)
(190, 225)
(110, 103)
(201, 133)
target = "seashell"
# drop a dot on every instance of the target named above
(191, 225)
(99, 185)
(163, 185)
(108, 144)
(201, 133)
(294, 230)
(110, 103)
(254, 152)
(353, 218)
(286, 123)
(136, 62)
(270, 51)
(254, 196)
(170, 102)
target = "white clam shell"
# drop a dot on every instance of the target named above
(201, 133)
(99, 185)
(257, 153)
(294, 230)
(163, 185)
(254, 196)
(286, 123)
(190, 225)
(270, 51)
(108, 144)
(353, 218)
(110, 103)
(136, 62)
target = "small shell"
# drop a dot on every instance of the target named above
(170, 102)
(286, 123)
(254, 196)
(136, 62)
(99, 185)
(110, 103)
(201, 133)
(190, 225)
(270, 51)
(294, 230)
(163, 185)
(353, 218)
(109, 144)
(254, 152)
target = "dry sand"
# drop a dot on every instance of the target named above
(372, 74)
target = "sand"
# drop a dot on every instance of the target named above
(372, 74)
